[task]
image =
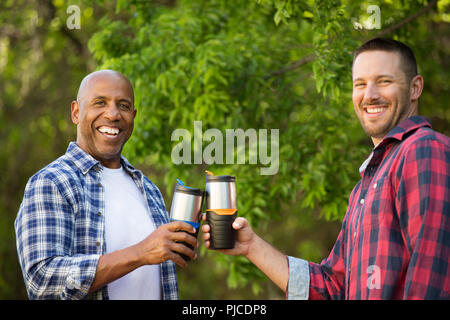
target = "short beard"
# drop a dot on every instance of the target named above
(379, 132)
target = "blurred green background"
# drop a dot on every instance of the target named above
(261, 64)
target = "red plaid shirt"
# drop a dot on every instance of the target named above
(395, 238)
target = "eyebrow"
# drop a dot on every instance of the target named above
(106, 98)
(378, 77)
(125, 100)
(100, 98)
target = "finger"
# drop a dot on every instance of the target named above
(206, 228)
(181, 248)
(181, 226)
(204, 216)
(206, 236)
(206, 243)
(239, 223)
(176, 258)
(184, 237)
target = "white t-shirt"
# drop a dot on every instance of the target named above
(127, 222)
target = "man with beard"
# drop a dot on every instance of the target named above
(395, 237)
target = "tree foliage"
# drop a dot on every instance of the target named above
(251, 64)
(41, 65)
(258, 64)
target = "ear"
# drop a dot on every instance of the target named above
(75, 109)
(416, 87)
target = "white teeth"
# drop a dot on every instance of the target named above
(109, 130)
(374, 110)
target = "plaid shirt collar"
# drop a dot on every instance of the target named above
(85, 162)
(402, 130)
(398, 133)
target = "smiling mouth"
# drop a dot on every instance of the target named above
(373, 111)
(109, 131)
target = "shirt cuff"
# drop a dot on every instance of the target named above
(298, 283)
(80, 277)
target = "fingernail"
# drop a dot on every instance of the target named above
(236, 224)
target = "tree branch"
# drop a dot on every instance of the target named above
(65, 32)
(298, 63)
(294, 65)
(407, 20)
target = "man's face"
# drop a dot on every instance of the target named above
(381, 92)
(104, 113)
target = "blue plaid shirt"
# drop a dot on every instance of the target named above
(60, 228)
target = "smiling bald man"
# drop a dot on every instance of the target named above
(91, 225)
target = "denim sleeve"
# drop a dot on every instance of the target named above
(298, 283)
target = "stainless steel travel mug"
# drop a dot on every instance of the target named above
(187, 206)
(221, 210)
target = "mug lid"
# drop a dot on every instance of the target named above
(225, 178)
(180, 187)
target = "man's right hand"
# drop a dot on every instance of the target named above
(267, 258)
(161, 245)
(164, 244)
(244, 237)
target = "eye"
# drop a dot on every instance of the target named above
(99, 103)
(359, 84)
(124, 106)
(384, 81)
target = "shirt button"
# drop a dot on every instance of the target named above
(99, 213)
(97, 243)
(374, 185)
(361, 201)
(354, 234)
(99, 184)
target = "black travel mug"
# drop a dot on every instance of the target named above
(221, 210)
(187, 206)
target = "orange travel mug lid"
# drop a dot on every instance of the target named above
(223, 211)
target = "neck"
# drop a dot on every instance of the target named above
(376, 141)
(111, 164)
(112, 161)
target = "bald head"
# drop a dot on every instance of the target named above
(103, 76)
(104, 114)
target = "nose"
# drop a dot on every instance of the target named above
(371, 94)
(112, 112)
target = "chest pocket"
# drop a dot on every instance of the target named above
(377, 203)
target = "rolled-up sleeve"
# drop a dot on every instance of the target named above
(44, 238)
(298, 283)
